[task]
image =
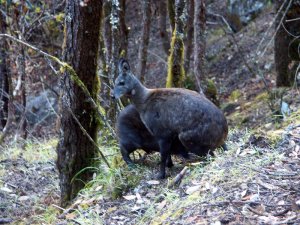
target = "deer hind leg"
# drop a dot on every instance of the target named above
(192, 144)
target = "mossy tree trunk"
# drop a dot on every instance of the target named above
(4, 73)
(199, 44)
(176, 73)
(141, 70)
(81, 45)
(171, 12)
(285, 44)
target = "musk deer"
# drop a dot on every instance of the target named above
(170, 113)
(133, 134)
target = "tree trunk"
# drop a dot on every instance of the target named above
(144, 40)
(123, 29)
(285, 45)
(106, 54)
(81, 45)
(199, 44)
(4, 86)
(176, 73)
(171, 11)
(21, 91)
(162, 7)
(188, 43)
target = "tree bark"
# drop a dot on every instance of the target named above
(199, 44)
(171, 12)
(21, 89)
(162, 7)
(81, 46)
(4, 73)
(116, 53)
(123, 29)
(188, 43)
(144, 40)
(285, 45)
(176, 73)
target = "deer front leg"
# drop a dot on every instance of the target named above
(165, 154)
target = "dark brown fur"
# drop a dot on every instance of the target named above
(132, 135)
(174, 113)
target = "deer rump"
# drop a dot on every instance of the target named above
(133, 134)
(179, 113)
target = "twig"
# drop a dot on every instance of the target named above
(11, 185)
(178, 178)
(277, 28)
(286, 220)
(271, 24)
(58, 207)
(256, 211)
(76, 221)
(88, 136)
(291, 20)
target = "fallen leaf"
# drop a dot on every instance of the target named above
(254, 198)
(139, 198)
(129, 197)
(238, 151)
(162, 204)
(24, 198)
(111, 209)
(5, 189)
(71, 216)
(281, 202)
(135, 208)
(243, 193)
(193, 189)
(153, 182)
(99, 188)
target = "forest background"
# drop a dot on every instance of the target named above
(58, 61)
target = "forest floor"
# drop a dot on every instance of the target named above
(255, 182)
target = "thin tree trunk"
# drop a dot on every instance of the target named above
(144, 40)
(4, 73)
(21, 90)
(199, 44)
(176, 73)
(162, 7)
(188, 43)
(123, 29)
(75, 151)
(282, 43)
(106, 56)
(171, 12)
(116, 50)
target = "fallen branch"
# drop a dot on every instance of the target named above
(178, 178)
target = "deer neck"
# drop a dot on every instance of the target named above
(139, 94)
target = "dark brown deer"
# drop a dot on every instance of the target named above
(133, 134)
(170, 113)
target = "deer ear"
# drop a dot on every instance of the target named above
(123, 65)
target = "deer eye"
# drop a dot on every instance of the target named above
(122, 83)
